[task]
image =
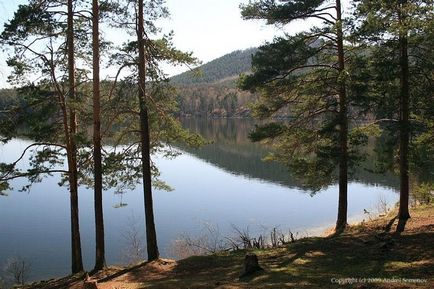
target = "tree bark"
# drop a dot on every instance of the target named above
(343, 120)
(76, 257)
(151, 236)
(99, 217)
(404, 135)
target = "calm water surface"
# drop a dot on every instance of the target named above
(224, 184)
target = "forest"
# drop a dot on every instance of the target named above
(348, 97)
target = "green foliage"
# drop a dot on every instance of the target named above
(377, 21)
(305, 142)
(34, 115)
(31, 20)
(39, 111)
(269, 62)
(122, 166)
(377, 26)
(35, 41)
(422, 154)
(8, 97)
(299, 76)
(4, 186)
(280, 11)
(424, 193)
(269, 130)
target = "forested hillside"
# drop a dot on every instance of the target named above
(8, 97)
(210, 90)
(218, 70)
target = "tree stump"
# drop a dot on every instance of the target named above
(90, 283)
(251, 265)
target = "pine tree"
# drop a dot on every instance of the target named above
(77, 263)
(305, 75)
(398, 37)
(141, 106)
(97, 156)
(151, 235)
(42, 39)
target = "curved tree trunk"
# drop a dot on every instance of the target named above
(151, 236)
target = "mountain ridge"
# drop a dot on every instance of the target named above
(229, 66)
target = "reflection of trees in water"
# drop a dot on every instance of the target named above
(232, 151)
(120, 204)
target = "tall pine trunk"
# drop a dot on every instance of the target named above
(404, 125)
(76, 257)
(343, 121)
(151, 236)
(99, 217)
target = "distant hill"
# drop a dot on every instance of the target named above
(227, 67)
(210, 90)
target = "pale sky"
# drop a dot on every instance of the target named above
(208, 28)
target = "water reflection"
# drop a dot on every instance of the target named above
(232, 151)
(224, 183)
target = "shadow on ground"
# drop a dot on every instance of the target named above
(366, 253)
(369, 255)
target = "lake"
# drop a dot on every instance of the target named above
(222, 185)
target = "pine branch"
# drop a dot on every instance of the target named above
(33, 145)
(24, 175)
